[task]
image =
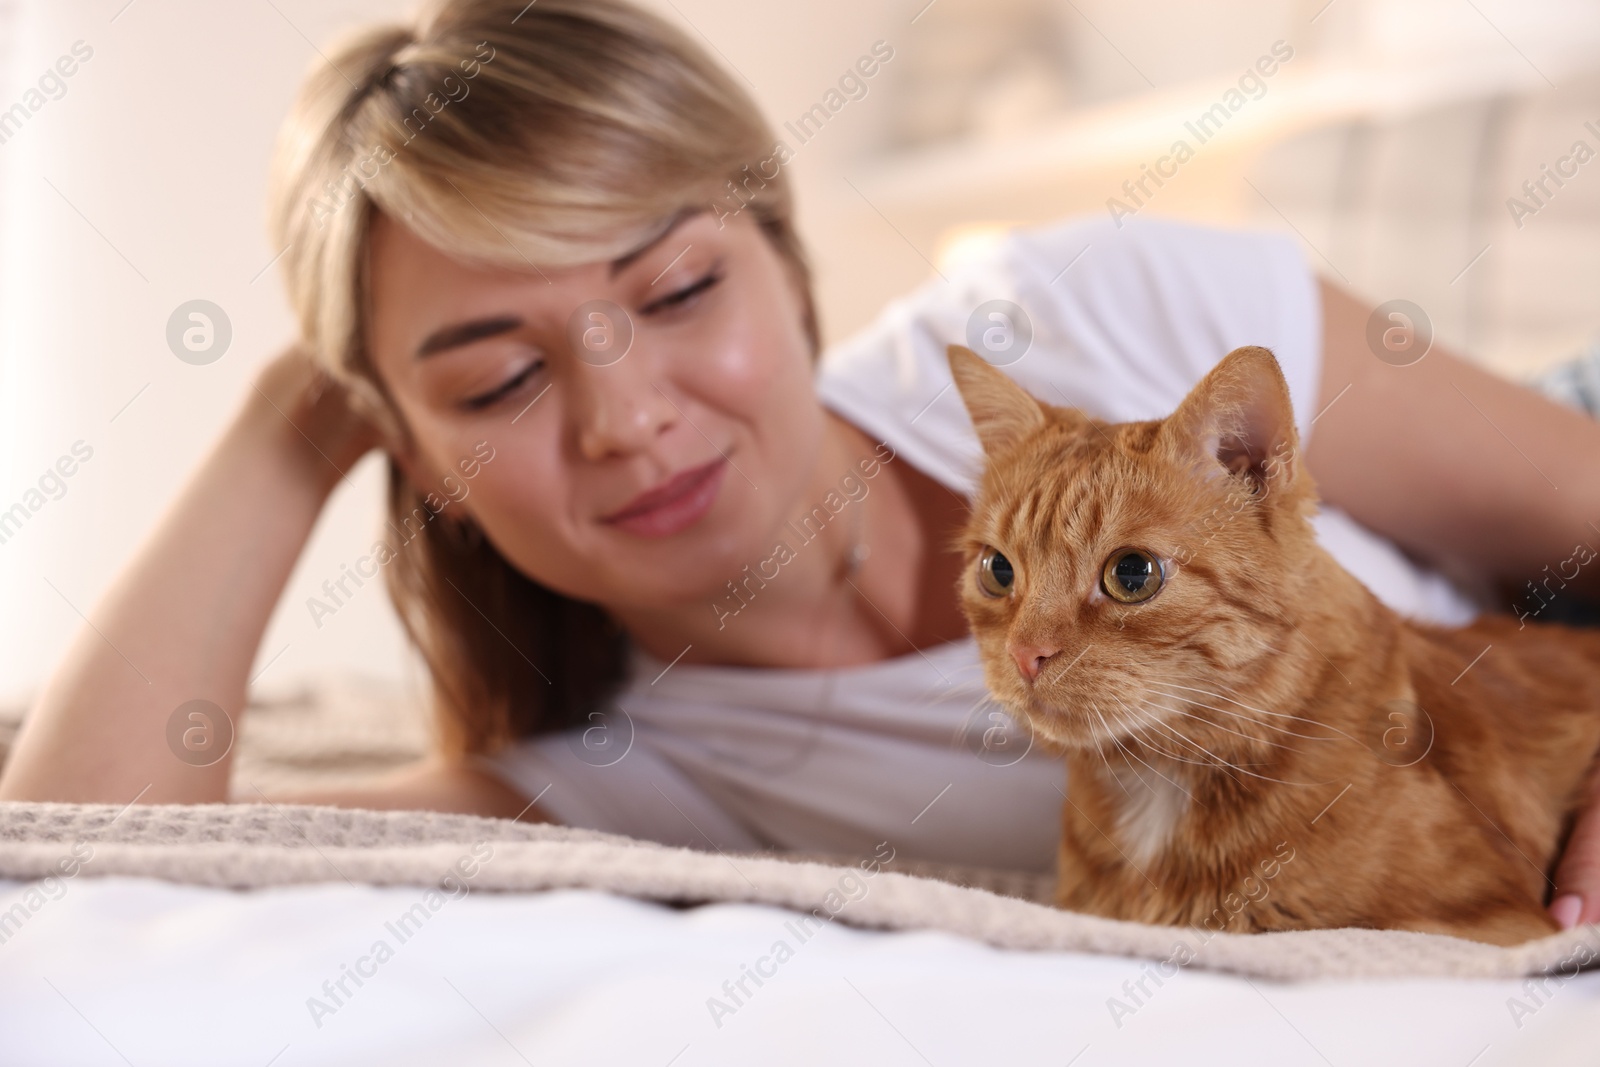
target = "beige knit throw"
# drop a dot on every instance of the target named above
(245, 846)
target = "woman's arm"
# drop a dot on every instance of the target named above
(432, 784)
(184, 618)
(1470, 470)
(1459, 466)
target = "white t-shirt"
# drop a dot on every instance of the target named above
(1124, 322)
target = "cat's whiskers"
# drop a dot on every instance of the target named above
(944, 691)
(1150, 743)
(1148, 822)
(1219, 762)
(1262, 711)
(1115, 777)
(966, 668)
(1230, 765)
(1281, 731)
(1220, 727)
(974, 716)
(1160, 721)
(983, 698)
(1136, 726)
(1157, 772)
(1258, 711)
(1211, 762)
(1248, 719)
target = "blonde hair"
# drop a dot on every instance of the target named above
(522, 136)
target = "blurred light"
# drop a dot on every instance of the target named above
(960, 244)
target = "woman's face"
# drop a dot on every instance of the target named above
(645, 481)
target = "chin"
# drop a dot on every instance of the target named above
(722, 572)
(1068, 719)
(1052, 720)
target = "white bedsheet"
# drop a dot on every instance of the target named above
(125, 970)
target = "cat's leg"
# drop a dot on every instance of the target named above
(1079, 890)
(1073, 889)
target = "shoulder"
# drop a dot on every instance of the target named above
(1151, 241)
(1120, 320)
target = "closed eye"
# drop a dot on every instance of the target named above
(683, 296)
(499, 392)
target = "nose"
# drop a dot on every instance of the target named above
(618, 409)
(1030, 657)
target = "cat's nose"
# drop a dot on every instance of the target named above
(1030, 657)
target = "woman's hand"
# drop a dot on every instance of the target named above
(184, 619)
(316, 409)
(1577, 895)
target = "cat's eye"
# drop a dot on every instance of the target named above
(995, 573)
(1131, 575)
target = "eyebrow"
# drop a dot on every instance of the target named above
(465, 333)
(684, 215)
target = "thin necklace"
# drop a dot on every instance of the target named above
(858, 545)
(854, 558)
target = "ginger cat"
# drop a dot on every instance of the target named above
(1235, 708)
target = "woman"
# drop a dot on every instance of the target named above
(671, 579)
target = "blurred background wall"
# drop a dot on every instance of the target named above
(1389, 142)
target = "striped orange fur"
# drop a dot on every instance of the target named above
(1262, 711)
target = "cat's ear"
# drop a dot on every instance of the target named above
(1239, 421)
(1002, 411)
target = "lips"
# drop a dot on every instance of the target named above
(674, 505)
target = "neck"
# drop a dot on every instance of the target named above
(810, 603)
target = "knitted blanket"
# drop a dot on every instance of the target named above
(245, 846)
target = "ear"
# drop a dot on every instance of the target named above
(1002, 411)
(417, 470)
(1239, 422)
(396, 441)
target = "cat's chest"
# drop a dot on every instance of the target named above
(1148, 809)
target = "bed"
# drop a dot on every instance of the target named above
(236, 934)
(251, 934)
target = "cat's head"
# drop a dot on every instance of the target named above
(1115, 562)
